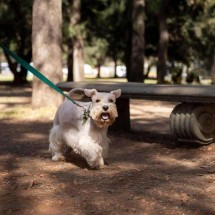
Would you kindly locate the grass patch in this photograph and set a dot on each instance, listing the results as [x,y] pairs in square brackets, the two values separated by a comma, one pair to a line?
[5,78]
[9,77]
[20,112]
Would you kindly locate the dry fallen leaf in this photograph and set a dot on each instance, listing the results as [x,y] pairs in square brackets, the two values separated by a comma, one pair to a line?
[31,184]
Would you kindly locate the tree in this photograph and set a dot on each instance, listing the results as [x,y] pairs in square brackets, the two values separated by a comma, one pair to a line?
[113,30]
[46,39]
[74,40]
[203,32]
[213,70]
[96,52]
[189,33]
[163,42]
[16,16]
[135,50]
[78,53]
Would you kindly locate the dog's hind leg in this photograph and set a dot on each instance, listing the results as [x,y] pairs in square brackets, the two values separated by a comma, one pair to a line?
[56,144]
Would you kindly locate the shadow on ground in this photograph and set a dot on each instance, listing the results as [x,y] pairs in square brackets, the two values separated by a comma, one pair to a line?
[145,174]
[148,172]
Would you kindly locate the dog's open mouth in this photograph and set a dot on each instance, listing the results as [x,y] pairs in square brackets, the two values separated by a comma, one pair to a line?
[105,116]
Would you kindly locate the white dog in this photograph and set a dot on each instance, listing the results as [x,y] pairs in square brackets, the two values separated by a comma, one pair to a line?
[89,137]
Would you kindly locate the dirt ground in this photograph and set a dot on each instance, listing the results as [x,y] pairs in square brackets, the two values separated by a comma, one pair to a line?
[148,172]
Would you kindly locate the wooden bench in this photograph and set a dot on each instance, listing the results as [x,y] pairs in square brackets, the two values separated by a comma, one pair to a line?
[193,120]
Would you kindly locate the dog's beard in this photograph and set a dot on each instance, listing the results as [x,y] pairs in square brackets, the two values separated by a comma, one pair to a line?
[104,118]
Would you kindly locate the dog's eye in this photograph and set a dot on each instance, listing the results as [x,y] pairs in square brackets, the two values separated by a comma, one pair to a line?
[97,100]
[110,100]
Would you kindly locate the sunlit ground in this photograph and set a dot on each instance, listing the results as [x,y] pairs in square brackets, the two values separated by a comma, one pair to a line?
[9,77]
[147,172]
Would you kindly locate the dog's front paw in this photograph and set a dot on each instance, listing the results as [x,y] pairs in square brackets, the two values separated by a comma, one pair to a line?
[58,158]
[97,164]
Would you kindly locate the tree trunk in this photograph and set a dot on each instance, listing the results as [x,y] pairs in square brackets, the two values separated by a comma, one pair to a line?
[99,70]
[77,41]
[135,63]
[23,71]
[13,68]
[78,60]
[115,68]
[70,59]
[46,40]
[213,70]
[23,46]
[19,78]
[163,43]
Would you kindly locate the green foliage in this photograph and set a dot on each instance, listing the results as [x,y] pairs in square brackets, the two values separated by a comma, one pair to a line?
[74,30]
[16,26]
[203,32]
[191,26]
[15,21]
[196,31]
[95,51]
[106,24]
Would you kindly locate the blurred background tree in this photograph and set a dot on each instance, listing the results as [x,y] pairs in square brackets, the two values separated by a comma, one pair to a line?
[47,56]
[106,27]
[175,36]
[15,33]
[73,38]
[135,41]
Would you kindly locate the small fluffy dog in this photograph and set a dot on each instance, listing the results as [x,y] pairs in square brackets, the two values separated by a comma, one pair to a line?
[87,138]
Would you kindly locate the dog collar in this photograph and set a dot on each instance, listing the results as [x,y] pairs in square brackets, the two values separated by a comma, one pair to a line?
[86,114]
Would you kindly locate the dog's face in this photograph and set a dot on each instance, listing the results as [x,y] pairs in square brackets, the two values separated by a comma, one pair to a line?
[103,110]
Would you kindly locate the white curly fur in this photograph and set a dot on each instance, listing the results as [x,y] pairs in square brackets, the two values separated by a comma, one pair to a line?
[87,139]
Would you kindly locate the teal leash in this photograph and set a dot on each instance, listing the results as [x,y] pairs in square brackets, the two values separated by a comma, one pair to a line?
[40,76]
[36,73]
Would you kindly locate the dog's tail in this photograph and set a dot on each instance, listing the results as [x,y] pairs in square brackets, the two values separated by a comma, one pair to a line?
[78,95]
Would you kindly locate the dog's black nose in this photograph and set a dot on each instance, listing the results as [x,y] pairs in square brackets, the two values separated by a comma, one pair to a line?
[105,107]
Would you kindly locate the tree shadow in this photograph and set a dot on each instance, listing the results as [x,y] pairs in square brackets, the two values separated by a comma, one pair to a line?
[144,176]
[148,172]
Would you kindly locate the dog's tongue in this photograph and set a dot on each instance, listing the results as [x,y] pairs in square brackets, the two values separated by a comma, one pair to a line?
[105,116]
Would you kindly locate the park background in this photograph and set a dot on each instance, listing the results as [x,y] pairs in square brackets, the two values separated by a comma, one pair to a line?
[161,41]
[149,172]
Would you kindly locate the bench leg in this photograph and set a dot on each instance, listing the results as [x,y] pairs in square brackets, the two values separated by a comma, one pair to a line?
[122,122]
[192,122]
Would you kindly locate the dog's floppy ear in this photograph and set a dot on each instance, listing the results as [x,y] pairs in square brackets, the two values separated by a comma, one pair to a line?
[90,93]
[116,93]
